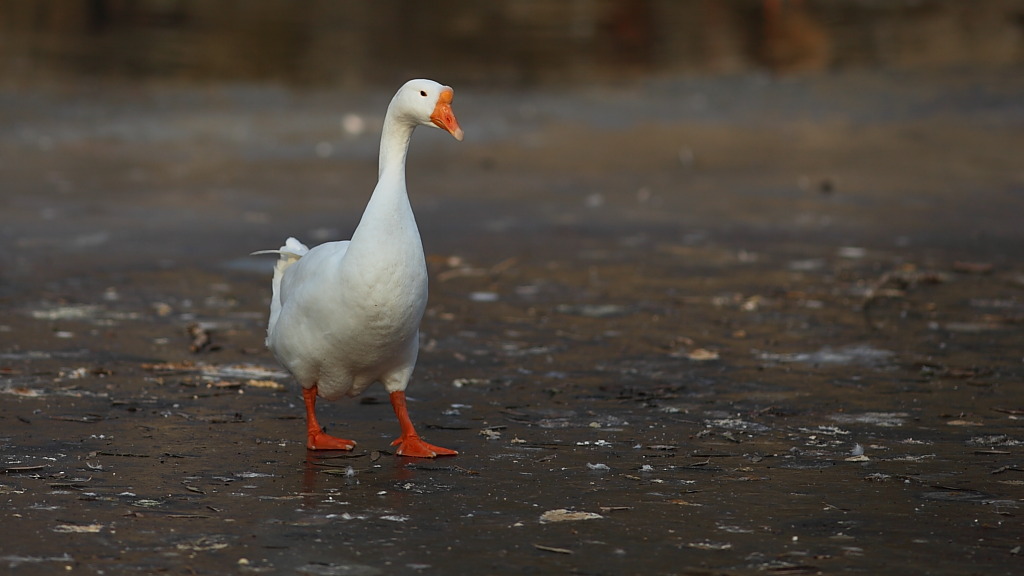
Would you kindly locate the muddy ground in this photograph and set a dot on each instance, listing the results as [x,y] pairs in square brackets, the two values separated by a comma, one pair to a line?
[730,326]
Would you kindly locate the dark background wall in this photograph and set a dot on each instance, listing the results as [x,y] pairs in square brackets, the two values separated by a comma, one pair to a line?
[499,43]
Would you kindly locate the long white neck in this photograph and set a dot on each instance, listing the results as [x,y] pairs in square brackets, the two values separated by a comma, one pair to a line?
[389,214]
[394,146]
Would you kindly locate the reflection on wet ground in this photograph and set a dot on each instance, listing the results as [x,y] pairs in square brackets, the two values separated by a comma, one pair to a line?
[717,326]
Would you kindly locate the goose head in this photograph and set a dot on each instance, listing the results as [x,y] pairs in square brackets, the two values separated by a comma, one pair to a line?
[427,103]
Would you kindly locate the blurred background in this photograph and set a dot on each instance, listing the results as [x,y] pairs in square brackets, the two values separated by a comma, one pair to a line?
[159,129]
[504,43]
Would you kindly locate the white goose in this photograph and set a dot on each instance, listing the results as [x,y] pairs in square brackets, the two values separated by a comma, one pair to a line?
[346,314]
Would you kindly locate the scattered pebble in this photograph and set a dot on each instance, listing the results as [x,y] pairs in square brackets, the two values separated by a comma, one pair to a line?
[702,355]
[708,545]
[484,296]
[565,515]
[460,382]
[852,252]
[78,528]
[490,434]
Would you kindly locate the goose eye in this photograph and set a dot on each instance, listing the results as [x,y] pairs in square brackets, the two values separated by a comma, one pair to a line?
[423,93]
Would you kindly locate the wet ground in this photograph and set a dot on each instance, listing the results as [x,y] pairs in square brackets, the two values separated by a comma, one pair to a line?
[685,326]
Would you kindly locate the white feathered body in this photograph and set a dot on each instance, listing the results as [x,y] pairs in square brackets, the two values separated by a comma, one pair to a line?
[346,314]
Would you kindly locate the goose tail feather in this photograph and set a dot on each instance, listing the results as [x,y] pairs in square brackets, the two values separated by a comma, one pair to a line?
[289,254]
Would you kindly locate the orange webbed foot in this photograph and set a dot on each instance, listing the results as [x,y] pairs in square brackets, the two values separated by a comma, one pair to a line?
[322,441]
[315,437]
[414,446]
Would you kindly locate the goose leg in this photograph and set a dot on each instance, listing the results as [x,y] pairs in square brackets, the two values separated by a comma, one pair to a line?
[316,439]
[410,443]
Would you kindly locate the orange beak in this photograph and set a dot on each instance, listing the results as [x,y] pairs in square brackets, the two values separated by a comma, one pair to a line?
[443,117]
